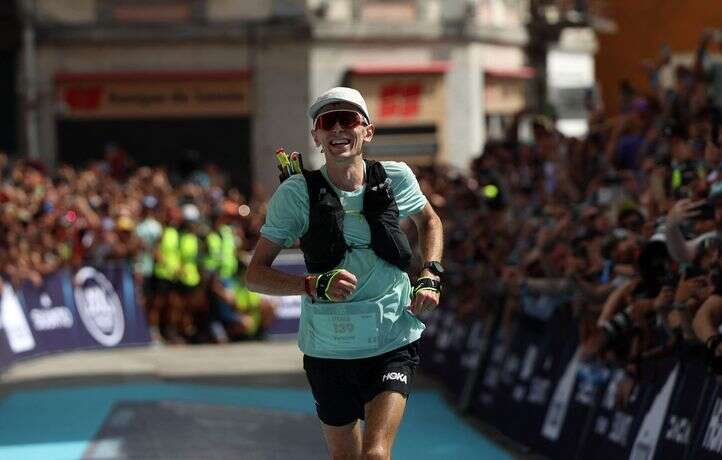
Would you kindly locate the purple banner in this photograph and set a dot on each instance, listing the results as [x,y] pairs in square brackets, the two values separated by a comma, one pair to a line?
[51,313]
[93,308]
[6,356]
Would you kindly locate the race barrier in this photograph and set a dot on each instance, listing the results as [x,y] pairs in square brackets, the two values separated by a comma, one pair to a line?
[93,307]
[527,380]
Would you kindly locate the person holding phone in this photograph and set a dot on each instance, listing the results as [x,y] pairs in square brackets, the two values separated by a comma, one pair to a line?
[359,328]
[706,210]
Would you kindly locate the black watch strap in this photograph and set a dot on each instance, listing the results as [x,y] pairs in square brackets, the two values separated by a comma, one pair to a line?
[434,267]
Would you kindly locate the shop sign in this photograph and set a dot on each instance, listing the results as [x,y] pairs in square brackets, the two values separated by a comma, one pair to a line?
[152,97]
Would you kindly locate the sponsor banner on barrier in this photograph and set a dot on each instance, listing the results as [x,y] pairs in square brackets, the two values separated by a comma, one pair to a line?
[612,437]
[559,406]
[682,421]
[457,346]
[512,391]
[483,406]
[564,407]
[614,428]
[545,363]
[19,337]
[105,302]
[94,307]
[6,356]
[653,422]
[51,312]
[708,441]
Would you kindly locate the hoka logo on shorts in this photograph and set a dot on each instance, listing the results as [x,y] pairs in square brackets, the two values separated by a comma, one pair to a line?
[394,376]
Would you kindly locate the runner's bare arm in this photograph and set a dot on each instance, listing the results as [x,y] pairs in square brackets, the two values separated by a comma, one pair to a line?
[262,278]
[431,235]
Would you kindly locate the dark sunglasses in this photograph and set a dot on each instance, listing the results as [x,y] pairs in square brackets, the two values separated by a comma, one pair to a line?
[347,119]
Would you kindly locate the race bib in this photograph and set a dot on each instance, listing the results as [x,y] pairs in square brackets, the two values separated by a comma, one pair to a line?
[348,332]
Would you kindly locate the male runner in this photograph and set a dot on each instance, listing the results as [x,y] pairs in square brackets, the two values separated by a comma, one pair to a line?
[359,331]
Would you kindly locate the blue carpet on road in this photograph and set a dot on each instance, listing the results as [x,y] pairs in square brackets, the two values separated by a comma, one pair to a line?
[61,423]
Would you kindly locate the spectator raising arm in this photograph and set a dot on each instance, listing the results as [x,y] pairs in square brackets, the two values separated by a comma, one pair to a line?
[708,318]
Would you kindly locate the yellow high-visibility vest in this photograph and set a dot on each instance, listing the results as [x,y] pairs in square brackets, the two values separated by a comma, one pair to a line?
[189,274]
[169,262]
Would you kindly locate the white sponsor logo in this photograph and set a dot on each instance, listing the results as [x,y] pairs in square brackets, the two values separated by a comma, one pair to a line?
[527,366]
[50,318]
[601,425]
[621,424]
[12,318]
[557,411]
[539,390]
[610,396]
[394,376]
[475,345]
[585,393]
[713,436]
[678,430]
[651,428]
[99,307]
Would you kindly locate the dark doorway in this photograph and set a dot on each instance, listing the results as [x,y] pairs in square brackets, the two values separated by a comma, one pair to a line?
[223,141]
[9,46]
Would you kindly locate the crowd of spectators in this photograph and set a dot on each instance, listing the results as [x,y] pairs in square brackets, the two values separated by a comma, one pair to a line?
[110,212]
[621,227]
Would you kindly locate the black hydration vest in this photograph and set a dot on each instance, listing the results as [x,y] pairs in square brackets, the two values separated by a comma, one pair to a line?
[324,245]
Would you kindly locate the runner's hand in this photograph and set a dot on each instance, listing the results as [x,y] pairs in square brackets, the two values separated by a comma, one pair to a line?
[335,285]
[424,300]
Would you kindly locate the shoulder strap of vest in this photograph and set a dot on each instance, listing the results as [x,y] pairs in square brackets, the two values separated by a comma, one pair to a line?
[375,173]
[316,184]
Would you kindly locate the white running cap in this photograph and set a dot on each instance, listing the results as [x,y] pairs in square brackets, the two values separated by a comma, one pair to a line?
[339,94]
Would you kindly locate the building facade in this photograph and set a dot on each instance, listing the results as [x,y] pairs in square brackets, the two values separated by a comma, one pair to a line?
[232,79]
[644,27]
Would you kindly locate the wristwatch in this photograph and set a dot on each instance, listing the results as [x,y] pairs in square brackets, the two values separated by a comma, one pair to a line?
[434,267]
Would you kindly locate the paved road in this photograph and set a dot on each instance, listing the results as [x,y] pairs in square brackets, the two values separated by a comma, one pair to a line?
[244,401]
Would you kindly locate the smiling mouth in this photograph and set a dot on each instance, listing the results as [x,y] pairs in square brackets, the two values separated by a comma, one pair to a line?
[340,143]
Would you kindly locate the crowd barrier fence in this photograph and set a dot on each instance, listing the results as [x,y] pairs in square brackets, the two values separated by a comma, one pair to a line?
[529,383]
[93,307]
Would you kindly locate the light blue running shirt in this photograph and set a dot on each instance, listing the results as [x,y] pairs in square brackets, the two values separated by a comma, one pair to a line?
[375,319]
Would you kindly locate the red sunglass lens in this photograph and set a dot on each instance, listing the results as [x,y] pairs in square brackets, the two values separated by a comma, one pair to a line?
[346,119]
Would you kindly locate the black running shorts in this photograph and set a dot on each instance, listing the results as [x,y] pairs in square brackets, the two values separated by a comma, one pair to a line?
[341,387]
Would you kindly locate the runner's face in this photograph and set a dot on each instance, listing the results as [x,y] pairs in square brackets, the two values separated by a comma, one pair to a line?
[340,143]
